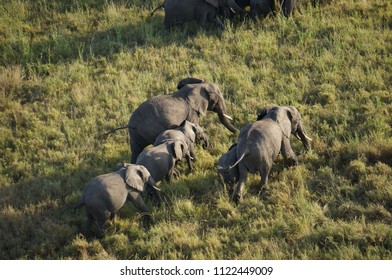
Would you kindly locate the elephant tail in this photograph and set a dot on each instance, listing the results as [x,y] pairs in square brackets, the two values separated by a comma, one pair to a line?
[106,134]
[157,8]
[237,162]
[80,203]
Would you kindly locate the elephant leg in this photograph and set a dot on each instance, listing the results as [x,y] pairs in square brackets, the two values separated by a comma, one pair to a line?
[243,175]
[89,222]
[102,222]
[265,170]
[202,19]
[175,172]
[189,162]
[288,152]
[214,19]
[231,188]
[137,145]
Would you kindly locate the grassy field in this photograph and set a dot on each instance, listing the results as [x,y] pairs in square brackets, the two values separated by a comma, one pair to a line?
[71,70]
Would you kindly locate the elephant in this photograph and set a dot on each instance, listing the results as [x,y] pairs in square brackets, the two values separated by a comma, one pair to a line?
[157,114]
[160,160]
[187,132]
[228,12]
[264,7]
[261,7]
[228,176]
[260,142]
[104,195]
[180,11]
[288,7]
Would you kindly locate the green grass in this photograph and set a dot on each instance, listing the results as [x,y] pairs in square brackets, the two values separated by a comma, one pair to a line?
[70,71]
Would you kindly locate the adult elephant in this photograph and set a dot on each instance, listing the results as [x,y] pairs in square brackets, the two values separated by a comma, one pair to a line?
[259,143]
[157,114]
[180,11]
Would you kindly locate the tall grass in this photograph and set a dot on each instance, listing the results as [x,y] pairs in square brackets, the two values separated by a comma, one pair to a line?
[71,70]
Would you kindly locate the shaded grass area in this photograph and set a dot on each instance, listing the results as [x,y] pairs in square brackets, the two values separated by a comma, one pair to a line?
[71,71]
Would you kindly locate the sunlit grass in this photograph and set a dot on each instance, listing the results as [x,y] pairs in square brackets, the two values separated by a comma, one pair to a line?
[71,70]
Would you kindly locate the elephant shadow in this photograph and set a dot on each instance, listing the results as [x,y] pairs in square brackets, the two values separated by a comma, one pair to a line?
[38,218]
[146,31]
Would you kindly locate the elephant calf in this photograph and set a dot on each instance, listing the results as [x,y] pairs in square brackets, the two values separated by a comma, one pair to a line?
[160,160]
[104,195]
[228,176]
[188,132]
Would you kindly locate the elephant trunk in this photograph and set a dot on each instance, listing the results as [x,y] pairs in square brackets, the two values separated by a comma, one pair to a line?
[206,143]
[300,134]
[232,4]
[155,191]
[225,120]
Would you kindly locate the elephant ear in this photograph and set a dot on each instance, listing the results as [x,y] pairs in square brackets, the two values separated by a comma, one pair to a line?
[135,177]
[265,112]
[191,131]
[233,146]
[198,98]
[189,80]
[178,149]
[294,117]
[214,3]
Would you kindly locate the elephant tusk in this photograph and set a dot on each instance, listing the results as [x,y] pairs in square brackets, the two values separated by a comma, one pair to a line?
[158,189]
[228,117]
[296,136]
[308,138]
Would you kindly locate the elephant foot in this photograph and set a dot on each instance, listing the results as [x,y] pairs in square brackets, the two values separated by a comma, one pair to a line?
[237,199]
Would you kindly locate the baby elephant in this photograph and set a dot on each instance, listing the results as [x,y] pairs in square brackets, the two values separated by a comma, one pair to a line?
[160,160]
[104,195]
[188,132]
[228,176]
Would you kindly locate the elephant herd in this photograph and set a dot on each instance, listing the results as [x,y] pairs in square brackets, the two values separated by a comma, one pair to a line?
[171,124]
[203,11]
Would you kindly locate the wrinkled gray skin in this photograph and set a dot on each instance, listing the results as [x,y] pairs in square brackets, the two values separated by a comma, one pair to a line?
[160,160]
[180,11]
[264,7]
[104,195]
[259,143]
[187,132]
[229,176]
[157,114]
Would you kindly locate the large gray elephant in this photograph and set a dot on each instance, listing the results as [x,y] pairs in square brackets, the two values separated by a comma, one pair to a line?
[180,11]
[264,7]
[104,195]
[188,132]
[259,143]
[157,114]
[160,160]
[229,176]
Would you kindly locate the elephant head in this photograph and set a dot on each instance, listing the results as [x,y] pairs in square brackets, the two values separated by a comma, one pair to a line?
[139,178]
[180,150]
[279,114]
[205,96]
[195,133]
